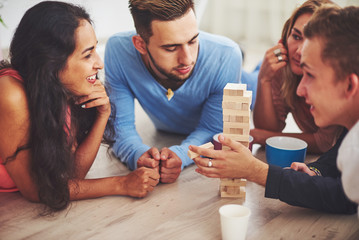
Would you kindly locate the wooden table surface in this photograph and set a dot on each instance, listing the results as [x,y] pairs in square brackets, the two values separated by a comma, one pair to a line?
[186,209]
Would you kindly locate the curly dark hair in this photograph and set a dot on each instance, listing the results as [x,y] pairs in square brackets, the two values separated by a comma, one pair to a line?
[41,45]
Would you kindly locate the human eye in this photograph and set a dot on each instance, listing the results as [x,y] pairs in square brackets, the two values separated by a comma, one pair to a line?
[296,37]
[307,74]
[170,49]
[88,56]
[194,41]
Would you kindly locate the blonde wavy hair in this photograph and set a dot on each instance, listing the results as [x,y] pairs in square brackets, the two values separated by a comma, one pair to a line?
[291,80]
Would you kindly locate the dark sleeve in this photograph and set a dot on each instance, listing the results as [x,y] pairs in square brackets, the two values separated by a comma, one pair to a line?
[300,189]
[327,163]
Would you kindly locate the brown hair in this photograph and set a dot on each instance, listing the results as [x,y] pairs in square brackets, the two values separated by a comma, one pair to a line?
[291,81]
[338,30]
[145,11]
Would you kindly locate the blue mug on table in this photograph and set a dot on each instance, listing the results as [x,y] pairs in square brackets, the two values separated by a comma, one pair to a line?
[283,151]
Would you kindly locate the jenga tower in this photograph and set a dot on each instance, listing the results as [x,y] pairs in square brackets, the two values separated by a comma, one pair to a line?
[236,115]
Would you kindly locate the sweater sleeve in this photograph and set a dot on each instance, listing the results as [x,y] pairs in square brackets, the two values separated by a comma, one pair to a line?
[128,146]
[300,189]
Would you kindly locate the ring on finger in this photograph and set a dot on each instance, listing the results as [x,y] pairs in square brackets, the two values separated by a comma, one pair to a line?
[280,58]
[210,164]
[277,52]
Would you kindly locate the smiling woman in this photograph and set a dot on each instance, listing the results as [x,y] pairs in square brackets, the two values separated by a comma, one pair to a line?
[55,111]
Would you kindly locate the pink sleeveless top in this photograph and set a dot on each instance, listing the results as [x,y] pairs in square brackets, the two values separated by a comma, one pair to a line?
[6,183]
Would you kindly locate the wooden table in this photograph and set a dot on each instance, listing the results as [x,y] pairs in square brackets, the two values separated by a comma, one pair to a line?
[186,209]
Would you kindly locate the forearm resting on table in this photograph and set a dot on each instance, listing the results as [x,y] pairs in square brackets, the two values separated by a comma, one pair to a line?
[87,150]
[94,188]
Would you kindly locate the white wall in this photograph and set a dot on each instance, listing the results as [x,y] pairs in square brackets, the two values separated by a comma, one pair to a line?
[109,16]
[254,24]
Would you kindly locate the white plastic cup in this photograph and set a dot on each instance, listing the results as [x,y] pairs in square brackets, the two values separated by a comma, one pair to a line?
[234,221]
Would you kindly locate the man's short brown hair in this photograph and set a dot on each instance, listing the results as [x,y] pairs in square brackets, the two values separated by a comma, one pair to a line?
[338,30]
[145,11]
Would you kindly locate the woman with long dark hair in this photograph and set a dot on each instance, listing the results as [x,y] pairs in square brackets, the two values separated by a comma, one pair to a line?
[278,80]
[54,111]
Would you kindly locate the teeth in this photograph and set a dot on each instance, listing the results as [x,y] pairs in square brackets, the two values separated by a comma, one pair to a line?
[93,77]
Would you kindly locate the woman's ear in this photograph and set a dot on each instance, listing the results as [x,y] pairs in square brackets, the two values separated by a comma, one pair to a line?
[139,44]
[353,85]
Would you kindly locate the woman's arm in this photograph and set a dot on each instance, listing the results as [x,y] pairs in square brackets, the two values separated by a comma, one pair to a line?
[264,114]
[14,129]
[86,152]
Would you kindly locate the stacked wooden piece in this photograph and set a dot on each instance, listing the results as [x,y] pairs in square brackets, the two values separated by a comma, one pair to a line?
[236,115]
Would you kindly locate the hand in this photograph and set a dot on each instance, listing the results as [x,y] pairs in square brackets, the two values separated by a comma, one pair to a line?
[140,182]
[271,64]
[260,135]
[302,167]
[97,98]
[150,159]
[237,162]
[170,168]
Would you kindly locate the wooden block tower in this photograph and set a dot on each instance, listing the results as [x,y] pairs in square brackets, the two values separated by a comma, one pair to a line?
[236,114]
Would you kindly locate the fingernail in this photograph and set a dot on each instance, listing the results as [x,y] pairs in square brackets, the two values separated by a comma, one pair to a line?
[190,147]
[83,106]
[221,137]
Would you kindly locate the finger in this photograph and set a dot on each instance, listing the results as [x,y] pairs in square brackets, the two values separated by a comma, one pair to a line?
[201,162]
[294,166]
[153,182]
[207,174]
[149,188]
[168,178]
[209,153]
[154,153]
[154,175]
[149,162]
[170,170]
[172,163]
[226,141]
[96,102]
[165,152]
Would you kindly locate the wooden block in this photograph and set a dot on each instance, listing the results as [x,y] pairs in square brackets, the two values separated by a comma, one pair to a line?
[234,89]
[242,99]
[235,86]
[235,105]
[239,182]
[232,105]
[236,112]
[236,137]
[233,92]
[235,118]
[193,155]
[242,125]
[241,194]
[238,131]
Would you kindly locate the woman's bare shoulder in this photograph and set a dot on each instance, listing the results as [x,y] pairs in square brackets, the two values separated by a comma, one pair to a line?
[12,95]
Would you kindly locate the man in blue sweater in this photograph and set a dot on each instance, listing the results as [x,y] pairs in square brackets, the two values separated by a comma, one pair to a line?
[177,73]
